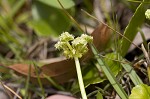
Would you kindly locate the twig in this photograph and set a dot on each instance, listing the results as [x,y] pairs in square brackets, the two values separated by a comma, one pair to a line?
[6,87]
[147,60]
[146,54]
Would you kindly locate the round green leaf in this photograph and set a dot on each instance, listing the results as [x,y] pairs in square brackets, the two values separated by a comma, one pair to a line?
[140,92]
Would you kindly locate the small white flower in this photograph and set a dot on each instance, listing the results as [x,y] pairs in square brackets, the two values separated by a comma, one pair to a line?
[76,48]
[147,14]
[65,36]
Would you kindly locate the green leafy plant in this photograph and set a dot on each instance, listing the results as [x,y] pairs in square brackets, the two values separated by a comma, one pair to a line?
[49,19]
[110,76]
[75,48]
[132,28]
[141,91]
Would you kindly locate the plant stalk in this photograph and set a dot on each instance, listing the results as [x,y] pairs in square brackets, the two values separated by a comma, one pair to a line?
[80,79]
[148,71]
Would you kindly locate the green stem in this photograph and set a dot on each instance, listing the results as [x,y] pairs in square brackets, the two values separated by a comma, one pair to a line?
[39,80]
[27,83]
[80,79]
[70,47]
[148,71]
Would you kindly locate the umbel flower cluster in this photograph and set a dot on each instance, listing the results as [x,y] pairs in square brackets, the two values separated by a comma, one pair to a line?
[147,14]
[73,47]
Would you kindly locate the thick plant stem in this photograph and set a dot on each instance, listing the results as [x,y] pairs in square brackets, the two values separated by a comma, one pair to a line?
[80,79]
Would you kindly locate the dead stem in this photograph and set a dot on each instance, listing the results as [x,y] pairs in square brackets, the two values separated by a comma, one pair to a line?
[7,88]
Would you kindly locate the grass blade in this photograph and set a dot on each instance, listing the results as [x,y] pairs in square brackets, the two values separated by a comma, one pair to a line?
[110,75]
[27,83]
[39,80]
[55,84]
[132,74]
[17,7]
[132,28]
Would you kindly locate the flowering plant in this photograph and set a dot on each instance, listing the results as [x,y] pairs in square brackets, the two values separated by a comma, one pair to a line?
[75,48]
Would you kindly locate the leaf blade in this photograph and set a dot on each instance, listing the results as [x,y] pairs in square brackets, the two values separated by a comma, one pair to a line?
[131,30]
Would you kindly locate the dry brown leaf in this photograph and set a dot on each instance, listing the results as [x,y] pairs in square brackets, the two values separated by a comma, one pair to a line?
[101,36]
[23,70]
[58,67]
[63,70]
